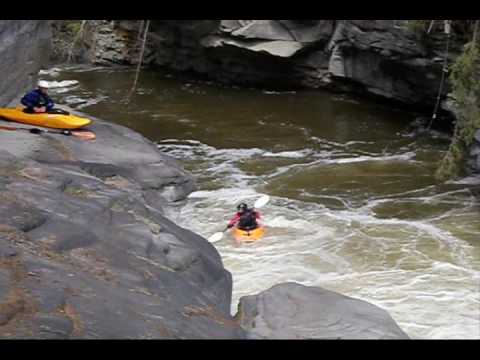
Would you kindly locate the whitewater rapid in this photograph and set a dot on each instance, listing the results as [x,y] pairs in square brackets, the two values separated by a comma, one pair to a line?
[354,207]
[423,275]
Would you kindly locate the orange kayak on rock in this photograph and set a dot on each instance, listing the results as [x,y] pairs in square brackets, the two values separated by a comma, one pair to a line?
[249,235]
[54,121]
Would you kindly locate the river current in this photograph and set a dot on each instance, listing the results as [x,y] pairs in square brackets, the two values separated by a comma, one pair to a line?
[354,205]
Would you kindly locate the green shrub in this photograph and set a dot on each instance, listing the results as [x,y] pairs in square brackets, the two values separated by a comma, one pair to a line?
[73,27]
[465,80]
[417,26]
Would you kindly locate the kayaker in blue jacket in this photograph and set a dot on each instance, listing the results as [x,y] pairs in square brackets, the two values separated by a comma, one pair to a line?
[38,101]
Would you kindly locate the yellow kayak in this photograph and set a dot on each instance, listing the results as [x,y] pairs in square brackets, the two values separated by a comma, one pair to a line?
[249,235]
[55,121]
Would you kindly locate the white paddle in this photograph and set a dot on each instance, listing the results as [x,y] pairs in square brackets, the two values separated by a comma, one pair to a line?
[261,202]
[258,204]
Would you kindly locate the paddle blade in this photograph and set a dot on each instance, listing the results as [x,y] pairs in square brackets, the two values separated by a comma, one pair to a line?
[216,237]
[261,202]
[8,128]
[84,134]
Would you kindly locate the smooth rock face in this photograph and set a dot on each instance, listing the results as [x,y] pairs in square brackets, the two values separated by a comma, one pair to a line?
[477,136]
[24,50]
[114,42]
[382,58]
[83,254]
[294,311]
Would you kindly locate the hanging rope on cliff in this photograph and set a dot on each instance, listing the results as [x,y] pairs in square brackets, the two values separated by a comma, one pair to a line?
[444,72]
[77,37]
[140,28]
[140,60]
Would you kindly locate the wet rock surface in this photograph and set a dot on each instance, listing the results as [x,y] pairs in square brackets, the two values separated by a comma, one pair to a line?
[85,248]
[473,161]
[24,49]
[382,58]
[294,311]
[83,255]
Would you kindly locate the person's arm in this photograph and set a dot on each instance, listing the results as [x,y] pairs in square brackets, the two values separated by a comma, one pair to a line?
[257,215]
[50,103]
[233,221]
[30,100]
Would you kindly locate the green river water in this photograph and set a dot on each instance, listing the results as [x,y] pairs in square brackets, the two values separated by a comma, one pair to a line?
[354,208]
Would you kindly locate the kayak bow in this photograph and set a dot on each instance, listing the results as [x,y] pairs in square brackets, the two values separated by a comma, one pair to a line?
[249,235]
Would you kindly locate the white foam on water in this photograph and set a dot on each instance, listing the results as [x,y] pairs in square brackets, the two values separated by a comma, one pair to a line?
[80,102]
[62,90]
[312,245]
[289,154]
[62,84]
[195,142]
[469,180]
[271,92]
[322,158]
[348,143]
[54,72]
[80,68]
[201,150]
[424,309]
[227,195]
[423,275]
[401,157]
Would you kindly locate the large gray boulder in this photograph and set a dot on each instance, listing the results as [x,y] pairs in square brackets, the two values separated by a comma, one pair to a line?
[24,49]
[294,311]
[85,250]
[386,61]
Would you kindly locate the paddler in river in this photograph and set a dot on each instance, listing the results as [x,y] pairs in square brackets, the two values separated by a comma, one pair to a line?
[245,218]
[37,101]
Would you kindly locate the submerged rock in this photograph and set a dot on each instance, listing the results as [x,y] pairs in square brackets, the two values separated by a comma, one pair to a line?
[294,311]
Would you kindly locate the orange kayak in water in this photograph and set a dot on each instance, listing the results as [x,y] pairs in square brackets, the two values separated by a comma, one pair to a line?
[249,235]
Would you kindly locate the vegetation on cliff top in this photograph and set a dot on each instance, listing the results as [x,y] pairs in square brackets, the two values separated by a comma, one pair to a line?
[465,80]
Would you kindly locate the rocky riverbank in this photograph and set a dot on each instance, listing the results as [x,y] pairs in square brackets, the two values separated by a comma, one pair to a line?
[85,248]
[384,59]
[86,252]
[25,47]
[381,58]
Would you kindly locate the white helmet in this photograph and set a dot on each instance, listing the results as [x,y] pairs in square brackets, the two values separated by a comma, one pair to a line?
[43,84]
